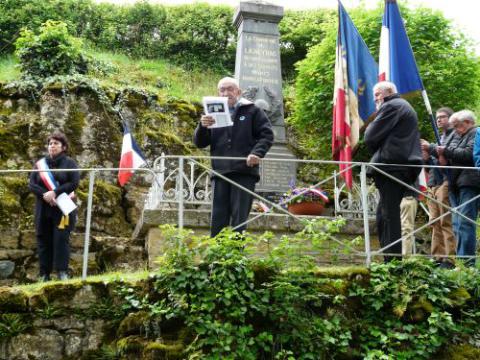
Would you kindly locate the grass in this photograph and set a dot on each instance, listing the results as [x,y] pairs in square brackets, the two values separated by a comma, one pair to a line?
[157,76]
[105,277]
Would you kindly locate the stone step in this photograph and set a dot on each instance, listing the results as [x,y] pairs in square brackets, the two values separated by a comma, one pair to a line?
[200,219]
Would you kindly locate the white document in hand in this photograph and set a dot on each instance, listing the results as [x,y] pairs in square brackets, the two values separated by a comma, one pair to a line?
[65,203]
[217,107]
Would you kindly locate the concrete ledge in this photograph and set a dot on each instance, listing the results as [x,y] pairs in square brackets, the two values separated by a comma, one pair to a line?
[268,222]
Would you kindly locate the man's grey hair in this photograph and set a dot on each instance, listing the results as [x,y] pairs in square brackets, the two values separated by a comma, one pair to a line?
[466,115]
[230,80]
[386,86]
[453,118]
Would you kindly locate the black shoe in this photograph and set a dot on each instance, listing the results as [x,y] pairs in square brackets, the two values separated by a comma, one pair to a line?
[447,265]
[44,278]
[62,275]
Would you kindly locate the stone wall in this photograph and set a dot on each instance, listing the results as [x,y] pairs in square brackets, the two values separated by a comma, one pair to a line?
[90,118]
[75,320]
[114,318]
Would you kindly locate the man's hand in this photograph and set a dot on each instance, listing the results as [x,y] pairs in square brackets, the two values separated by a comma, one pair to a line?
[49,197]
[207,120]
[253,160]
[442,160]
[424,144]
[440,150]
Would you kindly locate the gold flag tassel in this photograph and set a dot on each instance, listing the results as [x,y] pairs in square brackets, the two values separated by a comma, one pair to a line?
[64,222]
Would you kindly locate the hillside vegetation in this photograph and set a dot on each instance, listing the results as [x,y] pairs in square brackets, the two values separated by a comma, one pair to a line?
[161,48]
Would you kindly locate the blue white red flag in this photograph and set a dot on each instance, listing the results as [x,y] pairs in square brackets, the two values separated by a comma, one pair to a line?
[397,62]
[131,158]
[353,103]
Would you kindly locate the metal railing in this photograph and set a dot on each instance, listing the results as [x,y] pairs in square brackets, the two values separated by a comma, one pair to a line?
[182,181]
[360,203]
[91,176]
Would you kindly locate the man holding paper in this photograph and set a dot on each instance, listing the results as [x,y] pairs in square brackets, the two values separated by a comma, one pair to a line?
[245,133]
[54,209]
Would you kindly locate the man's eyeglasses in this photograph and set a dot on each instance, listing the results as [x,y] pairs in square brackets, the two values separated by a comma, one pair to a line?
[442,117]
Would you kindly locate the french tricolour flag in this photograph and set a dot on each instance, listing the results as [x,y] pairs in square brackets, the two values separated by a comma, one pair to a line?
[397,62]
[131,158]
[355,74]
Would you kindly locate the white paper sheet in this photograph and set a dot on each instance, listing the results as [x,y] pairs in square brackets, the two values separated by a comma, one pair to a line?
[65,203]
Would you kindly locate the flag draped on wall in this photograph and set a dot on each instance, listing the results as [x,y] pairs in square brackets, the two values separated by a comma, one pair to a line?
[131,157]
[397,62]
[355,75]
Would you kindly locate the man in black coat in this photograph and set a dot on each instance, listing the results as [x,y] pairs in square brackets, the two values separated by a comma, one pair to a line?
[250,137]
[393,138]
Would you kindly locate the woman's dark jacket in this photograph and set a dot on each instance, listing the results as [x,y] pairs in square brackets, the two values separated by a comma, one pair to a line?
[251,133]
[67,182]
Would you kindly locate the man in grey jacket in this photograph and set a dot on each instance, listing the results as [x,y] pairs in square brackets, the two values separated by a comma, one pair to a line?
[465,183]
[393,138]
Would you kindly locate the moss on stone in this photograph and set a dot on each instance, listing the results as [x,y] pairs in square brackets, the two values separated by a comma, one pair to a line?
[13,191]
[108,214]
[75,124]
[133,324]
[157,351]
[13,300]
[131,345]
[55,293]
[347,272]
[460,352]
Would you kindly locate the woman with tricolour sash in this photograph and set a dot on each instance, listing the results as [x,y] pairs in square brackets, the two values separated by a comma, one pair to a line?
[55,213]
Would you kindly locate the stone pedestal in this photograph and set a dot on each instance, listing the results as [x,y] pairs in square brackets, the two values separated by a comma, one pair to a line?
[258,70]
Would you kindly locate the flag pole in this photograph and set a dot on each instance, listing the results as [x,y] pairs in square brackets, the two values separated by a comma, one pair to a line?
[430,113]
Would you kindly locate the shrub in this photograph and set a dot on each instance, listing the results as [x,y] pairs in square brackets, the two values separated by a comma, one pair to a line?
[53,51]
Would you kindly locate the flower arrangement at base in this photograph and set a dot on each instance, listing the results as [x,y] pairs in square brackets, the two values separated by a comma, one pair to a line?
[305,200]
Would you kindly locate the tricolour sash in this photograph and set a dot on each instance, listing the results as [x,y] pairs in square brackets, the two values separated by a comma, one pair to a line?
[51,184]
[46,175]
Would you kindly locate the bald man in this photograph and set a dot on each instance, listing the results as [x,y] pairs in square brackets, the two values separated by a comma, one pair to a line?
[250,137]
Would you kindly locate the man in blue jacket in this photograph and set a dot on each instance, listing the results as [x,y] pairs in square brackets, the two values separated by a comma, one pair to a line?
[393,138]
[250,137]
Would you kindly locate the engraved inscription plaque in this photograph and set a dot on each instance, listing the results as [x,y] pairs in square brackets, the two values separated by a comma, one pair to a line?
[258,70]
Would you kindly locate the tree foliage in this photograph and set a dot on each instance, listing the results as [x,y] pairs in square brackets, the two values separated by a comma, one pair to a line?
[440,52]
[198,35]
[300,30]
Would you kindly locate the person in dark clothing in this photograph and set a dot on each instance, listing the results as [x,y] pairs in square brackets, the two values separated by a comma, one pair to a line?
[393,138]
[251,137]
[52,226]
[465,183]
[443,241]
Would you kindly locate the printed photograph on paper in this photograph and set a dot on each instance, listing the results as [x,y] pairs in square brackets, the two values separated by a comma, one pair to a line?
[217,107]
